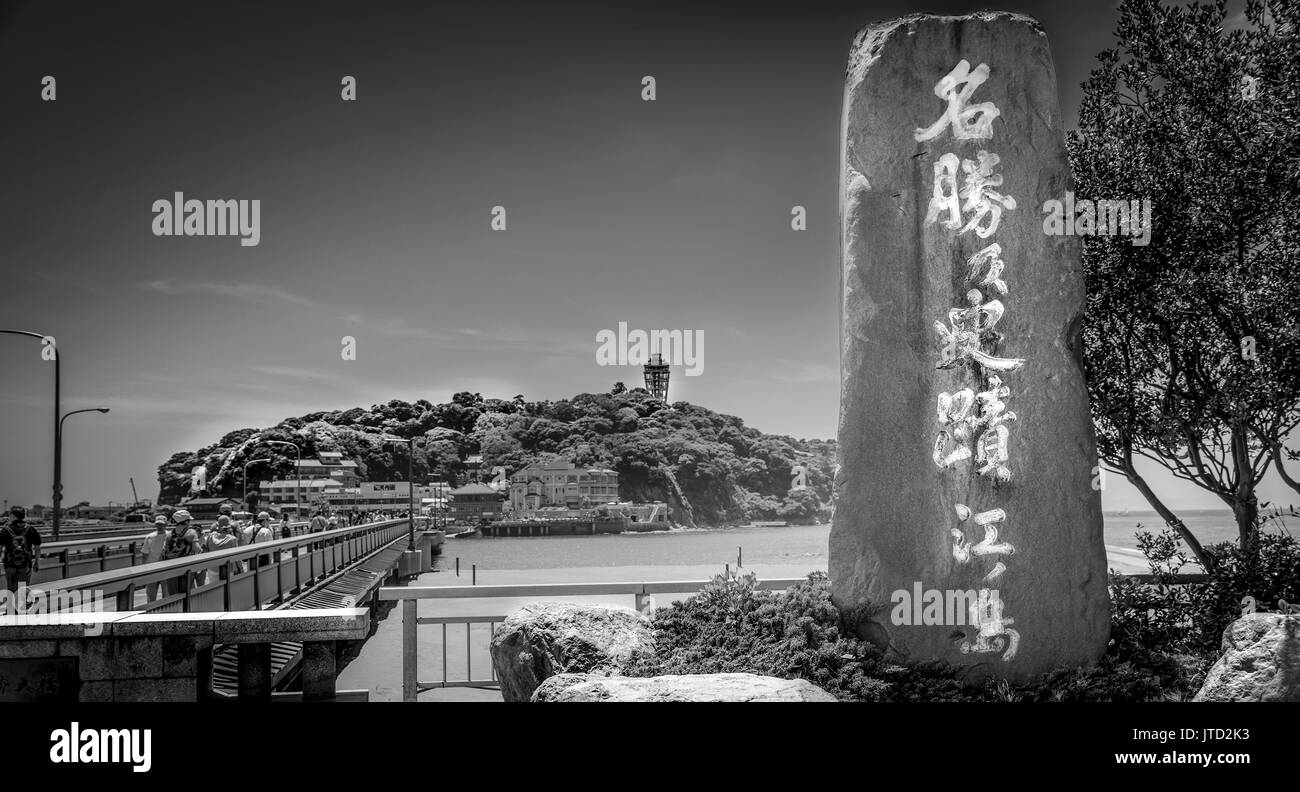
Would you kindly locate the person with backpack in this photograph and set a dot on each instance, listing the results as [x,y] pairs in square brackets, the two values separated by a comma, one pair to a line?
[20,546]
[183,541]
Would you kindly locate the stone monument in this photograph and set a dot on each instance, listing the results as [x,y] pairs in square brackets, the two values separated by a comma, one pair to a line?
[966,524]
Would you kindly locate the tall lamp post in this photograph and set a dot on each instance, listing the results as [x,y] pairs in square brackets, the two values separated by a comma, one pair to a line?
[297,472]
[410,486]
[246,464]
[58,456]
[57,486]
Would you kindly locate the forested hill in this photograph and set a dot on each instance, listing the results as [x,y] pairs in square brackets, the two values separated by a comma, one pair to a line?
[727,472]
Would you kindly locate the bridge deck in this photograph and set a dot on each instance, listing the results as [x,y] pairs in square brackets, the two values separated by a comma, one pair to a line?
[344,590]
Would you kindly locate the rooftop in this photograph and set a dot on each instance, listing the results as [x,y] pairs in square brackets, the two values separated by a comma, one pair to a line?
[474,488]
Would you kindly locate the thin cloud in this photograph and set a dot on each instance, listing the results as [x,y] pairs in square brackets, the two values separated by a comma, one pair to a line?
[250,292]
[289,372]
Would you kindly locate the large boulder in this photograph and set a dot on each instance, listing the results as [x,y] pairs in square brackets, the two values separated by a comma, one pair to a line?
[543,639]
[1260,662]
[966,525]
[686,687]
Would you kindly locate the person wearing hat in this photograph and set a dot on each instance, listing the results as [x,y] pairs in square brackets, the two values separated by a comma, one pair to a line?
[264,533]
[222,537]
[184,541]
[152,551]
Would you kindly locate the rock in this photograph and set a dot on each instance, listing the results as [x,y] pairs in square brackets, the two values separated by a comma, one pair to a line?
[912,516]
[541,640]
[686,687]
[1260,662]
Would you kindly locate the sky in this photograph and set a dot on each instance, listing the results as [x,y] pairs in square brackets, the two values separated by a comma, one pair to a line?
[376,214]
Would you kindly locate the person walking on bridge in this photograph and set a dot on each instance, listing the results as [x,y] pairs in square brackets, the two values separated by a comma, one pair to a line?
[20,546]
[318,524]
[184,539]
[264,533]
[151,551]
[221,538]
[183,542]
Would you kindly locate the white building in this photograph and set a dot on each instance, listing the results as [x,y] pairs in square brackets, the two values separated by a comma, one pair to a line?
[561,483]
[366,496]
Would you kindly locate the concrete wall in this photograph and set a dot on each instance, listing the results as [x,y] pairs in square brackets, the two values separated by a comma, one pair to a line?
[157,656]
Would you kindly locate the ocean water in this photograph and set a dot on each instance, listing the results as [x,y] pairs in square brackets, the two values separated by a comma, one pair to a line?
[782,552]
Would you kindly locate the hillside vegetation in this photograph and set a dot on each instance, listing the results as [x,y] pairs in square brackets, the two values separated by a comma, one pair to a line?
[725,472]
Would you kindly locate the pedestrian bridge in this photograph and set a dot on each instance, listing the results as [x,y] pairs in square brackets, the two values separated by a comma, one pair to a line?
[287,582]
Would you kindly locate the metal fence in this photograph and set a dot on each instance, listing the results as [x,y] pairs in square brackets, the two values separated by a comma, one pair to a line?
[409,597]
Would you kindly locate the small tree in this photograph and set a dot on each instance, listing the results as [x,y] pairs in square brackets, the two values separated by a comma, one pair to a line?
[1191,342]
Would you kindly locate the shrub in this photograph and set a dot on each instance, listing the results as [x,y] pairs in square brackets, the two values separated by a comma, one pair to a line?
[731,626]
[1190,618]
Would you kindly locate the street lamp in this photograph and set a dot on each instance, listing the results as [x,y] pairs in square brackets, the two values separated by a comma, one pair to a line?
[246,464]
[410,486]
[297,472]
[57,494]
[59,454]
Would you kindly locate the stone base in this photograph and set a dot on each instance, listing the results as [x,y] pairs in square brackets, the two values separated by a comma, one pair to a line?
[685,687]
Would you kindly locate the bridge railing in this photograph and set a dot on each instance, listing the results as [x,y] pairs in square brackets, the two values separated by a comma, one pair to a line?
[410,596]
[240,578]
[75,557]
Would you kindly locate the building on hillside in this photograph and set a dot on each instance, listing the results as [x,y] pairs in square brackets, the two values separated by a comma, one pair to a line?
[366,496]
[312,479]
[561,483]
[473,502]
[382,496]
[296,497]
[328,466]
